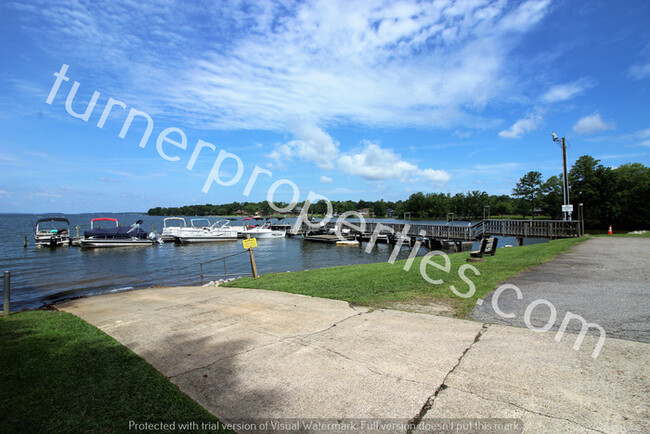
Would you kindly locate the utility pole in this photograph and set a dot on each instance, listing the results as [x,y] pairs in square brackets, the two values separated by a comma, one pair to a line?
[566,207]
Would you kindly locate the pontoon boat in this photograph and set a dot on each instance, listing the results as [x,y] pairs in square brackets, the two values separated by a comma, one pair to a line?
[170,231]
[117,236]
[52,232]
[201,231]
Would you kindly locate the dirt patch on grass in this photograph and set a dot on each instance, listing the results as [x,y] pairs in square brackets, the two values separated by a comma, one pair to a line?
[431,307]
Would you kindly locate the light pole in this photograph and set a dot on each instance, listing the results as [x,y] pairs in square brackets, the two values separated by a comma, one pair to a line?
[566,208]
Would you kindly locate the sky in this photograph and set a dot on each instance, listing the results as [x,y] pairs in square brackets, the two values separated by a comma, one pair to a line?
[170,103]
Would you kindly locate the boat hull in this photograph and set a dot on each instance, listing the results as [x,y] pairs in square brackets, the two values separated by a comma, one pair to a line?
[99,243]
[203,239]
[51,241]
[263,234]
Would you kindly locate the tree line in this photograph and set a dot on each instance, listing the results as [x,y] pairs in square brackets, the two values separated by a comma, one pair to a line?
[610,196]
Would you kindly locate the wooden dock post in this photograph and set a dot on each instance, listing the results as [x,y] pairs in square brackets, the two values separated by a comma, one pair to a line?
[25,241]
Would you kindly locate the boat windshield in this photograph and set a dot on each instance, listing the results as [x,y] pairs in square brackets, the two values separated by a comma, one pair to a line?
[52,225]
[200,223]
[220,224]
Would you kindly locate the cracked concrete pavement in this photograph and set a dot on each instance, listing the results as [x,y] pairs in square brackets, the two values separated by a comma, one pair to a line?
[253,354]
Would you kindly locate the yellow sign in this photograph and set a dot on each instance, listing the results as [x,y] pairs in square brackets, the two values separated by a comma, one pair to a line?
[250,243]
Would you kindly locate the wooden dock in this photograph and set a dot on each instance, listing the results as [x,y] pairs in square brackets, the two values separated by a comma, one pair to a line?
[520,229]
[320,238]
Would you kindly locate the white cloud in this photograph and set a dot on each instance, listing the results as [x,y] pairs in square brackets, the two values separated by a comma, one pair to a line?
[376,163]
[592,124]
[437,176]
[311,144]
[281,155]
[269,65]
[109,180]
[497,167]
[566,91]
[643,134]
[639,71]
[521,127]
[315,145]
[326,180]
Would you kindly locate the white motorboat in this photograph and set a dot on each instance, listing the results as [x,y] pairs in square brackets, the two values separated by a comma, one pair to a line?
[116,236]
[201,231]
[52,232]
[171,228]
[262,230]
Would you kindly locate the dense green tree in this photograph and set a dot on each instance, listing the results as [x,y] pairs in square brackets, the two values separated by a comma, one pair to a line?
[529,189]
[593,185]
[632,193]
[379,208]
[552,197]
[610,196]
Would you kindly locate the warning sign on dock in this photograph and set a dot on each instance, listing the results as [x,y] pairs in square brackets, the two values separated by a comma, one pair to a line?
[250,243]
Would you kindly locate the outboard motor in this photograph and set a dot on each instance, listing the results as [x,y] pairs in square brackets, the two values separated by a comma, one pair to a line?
[155,238]
[134,226]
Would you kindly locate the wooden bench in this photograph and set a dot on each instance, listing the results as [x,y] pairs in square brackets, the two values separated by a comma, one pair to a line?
[488,247]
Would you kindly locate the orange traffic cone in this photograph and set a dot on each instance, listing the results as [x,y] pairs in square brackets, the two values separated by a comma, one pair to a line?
[609,232]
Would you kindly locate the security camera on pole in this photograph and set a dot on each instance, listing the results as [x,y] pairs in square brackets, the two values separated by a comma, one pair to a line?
[567,208]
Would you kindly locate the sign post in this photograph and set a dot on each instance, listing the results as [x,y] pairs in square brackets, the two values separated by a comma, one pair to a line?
[249,243]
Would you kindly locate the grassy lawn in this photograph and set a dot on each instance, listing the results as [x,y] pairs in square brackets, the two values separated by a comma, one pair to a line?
[61,374]
[380,285]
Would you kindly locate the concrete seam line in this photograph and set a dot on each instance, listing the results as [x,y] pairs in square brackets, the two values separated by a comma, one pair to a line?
[222,359]
[325,329]
[367,365]
[265,345]
[529,410]
[431,400]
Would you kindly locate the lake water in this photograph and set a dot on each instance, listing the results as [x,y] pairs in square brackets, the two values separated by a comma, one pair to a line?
[42,275]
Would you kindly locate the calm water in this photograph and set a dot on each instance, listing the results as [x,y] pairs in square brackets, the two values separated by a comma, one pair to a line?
[41,276]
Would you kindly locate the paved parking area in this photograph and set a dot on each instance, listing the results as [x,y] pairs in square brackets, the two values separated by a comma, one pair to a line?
[251,354]
[604,280]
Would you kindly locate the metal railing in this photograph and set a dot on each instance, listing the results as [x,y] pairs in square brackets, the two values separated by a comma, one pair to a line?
[6,292]
[225,270]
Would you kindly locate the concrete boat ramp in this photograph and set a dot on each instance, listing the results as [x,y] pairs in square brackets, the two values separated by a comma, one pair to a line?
[259,355]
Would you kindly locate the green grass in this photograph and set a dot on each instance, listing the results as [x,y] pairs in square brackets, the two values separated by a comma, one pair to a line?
[382,284]
[61,374]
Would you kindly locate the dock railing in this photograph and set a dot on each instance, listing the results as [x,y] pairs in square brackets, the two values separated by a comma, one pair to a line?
[225,270]
[461,231]
[6,292]
[533,228]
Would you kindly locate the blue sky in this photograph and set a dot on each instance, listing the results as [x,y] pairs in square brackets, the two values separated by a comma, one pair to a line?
[351,100]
